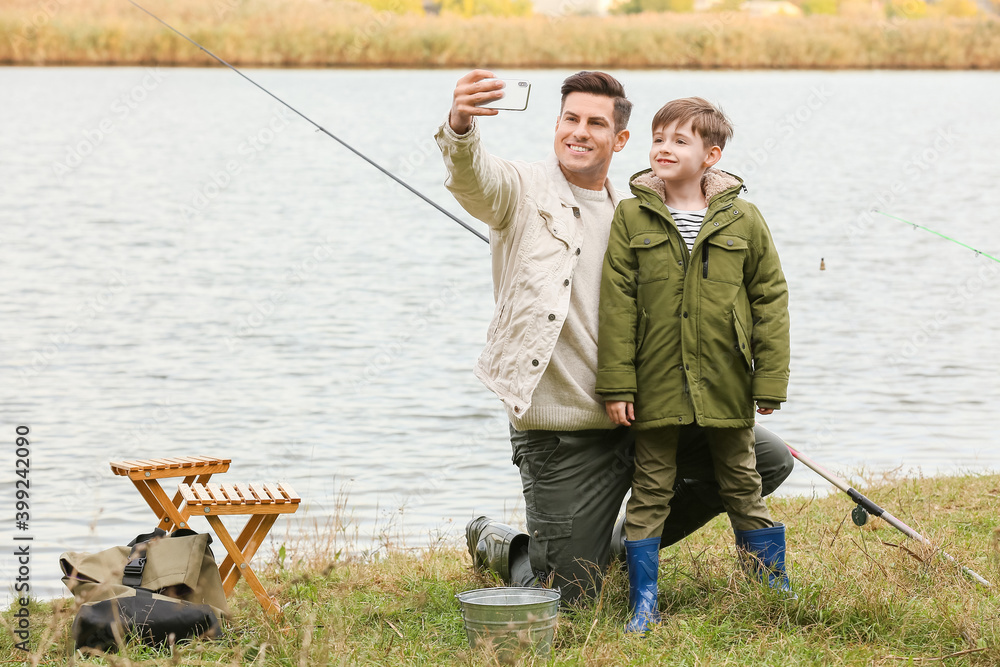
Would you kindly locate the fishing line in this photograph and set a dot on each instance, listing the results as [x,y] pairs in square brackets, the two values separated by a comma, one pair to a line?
[947,238]
[317,126]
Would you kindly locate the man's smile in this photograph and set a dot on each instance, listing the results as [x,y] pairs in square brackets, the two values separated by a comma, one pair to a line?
[577,148]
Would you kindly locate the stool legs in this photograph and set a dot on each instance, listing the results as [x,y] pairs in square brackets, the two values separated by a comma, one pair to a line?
[237,563]
[169,513]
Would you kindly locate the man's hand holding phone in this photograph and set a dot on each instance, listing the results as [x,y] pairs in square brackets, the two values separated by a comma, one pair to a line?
[478,93]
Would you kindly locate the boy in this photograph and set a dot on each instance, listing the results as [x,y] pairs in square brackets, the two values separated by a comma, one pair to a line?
[693,330]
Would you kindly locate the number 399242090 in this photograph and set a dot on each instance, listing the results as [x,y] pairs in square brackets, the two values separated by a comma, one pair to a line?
[22,469]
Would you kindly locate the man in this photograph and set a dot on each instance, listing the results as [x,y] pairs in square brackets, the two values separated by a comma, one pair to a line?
[549,224]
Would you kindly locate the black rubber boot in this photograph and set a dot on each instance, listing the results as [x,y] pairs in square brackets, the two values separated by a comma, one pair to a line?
[498,548]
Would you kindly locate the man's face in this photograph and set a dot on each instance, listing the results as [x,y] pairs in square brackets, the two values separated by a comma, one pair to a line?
[679,155]
[586,139]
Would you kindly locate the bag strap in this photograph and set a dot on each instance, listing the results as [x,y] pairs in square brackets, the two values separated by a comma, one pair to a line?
[146,537]
[132,576]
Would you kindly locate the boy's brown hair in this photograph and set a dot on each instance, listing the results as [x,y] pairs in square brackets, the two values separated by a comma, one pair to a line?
[603,84]
[707,120]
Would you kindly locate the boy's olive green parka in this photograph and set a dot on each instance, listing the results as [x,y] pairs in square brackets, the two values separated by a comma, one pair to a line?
[692,337]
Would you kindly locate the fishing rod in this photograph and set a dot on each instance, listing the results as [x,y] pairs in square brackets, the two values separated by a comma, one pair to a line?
[865,507]
[947,238]
[318,126]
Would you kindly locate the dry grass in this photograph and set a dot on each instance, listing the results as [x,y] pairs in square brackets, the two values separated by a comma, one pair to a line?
[333,33]
[867,596]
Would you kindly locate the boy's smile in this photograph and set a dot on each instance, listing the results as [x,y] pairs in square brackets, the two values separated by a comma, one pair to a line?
[679,155]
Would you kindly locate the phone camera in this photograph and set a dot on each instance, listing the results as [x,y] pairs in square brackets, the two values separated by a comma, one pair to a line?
[522,84]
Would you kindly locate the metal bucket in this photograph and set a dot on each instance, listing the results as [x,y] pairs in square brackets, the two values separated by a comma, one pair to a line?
[510,620]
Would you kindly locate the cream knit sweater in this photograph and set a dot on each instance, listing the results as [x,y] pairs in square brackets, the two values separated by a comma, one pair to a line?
[564,399]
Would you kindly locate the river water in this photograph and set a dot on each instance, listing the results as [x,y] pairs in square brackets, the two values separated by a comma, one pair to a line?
[188,268]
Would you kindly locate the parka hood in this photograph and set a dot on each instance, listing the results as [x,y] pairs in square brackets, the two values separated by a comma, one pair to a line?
[715,182]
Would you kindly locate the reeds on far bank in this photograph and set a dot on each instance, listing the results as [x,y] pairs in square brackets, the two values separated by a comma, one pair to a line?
[337,33]
[867,596]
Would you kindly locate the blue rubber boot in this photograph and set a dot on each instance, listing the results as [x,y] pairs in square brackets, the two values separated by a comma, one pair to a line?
[643,558]
[763,554]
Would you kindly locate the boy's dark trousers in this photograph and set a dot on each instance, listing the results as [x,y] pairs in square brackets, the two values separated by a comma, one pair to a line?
[574,483]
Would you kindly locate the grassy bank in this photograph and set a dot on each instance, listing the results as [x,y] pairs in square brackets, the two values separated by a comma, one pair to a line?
[866,596]
[322,33]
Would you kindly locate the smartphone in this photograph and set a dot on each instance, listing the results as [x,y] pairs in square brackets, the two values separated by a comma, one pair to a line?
[515,96]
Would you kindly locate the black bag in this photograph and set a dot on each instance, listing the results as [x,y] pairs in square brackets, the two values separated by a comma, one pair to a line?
[158,589]
[151,619]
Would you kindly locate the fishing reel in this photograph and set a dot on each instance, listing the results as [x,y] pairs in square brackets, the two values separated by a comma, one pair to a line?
[859,515]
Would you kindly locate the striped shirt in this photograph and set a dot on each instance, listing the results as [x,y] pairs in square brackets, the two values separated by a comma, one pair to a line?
[688,223]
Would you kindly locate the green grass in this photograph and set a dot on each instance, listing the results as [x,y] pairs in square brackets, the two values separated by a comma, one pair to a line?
[867,596]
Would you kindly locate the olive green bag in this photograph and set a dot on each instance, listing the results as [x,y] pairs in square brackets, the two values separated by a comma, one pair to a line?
[159,588]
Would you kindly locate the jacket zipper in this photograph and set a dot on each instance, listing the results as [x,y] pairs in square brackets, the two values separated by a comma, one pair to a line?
[704,260]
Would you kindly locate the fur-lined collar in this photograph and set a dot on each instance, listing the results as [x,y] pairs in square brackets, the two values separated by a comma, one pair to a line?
[713,183]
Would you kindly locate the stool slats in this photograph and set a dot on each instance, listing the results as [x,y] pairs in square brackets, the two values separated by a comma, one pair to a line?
[232,493]
[262,502]
[261,494]
[217,493]
[275,494]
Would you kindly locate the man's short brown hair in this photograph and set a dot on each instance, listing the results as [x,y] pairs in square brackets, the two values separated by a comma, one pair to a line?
[603,84]
[707,120]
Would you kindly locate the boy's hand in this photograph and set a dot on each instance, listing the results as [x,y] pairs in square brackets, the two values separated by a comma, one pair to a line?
[765,411]
[621,412]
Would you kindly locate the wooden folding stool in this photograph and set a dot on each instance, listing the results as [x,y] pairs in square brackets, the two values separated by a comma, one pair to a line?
[263,502]
[145,475]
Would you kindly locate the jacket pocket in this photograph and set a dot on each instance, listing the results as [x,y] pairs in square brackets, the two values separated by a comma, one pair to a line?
[723,259]
[742,342]
[640,328]
[540,245]
[652,250]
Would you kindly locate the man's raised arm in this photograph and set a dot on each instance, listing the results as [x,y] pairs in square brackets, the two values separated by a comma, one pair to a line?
[487,187]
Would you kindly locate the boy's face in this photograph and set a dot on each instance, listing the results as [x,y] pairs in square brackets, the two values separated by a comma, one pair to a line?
[679,155]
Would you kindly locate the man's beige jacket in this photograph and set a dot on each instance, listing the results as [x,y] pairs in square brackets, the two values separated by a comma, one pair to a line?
[536,235]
